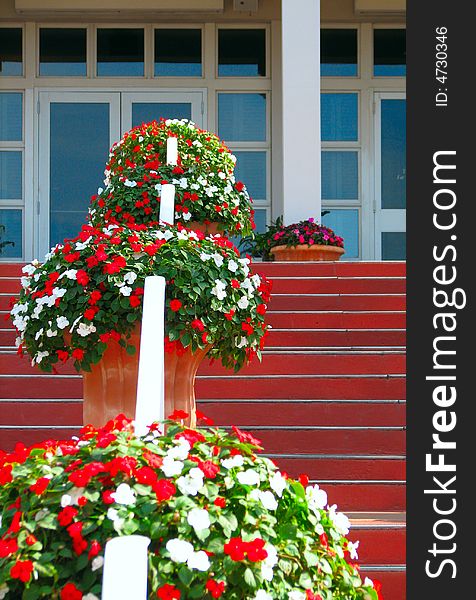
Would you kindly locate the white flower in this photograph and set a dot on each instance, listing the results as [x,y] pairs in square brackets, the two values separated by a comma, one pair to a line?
[124,494]
[181,449]
[113,515]
[40,356]
[183,183]
[187,216]
[242,342]
[82,245]
[84,330]
[125,290]
[51,333]
[97,563]
[199,519]
[191,483]
[248,477]
[262,595]
[218,259]
[130,277]
[368,582]
[158,188]
[295,595]
[20,323]
[256,279]
[316,497]
[25,281]
[352,548]
[269,562]
[71,497]
[180,550]
[204,256]
[198,560]
[62,322]
[243,302]
[234,461]
[4,589]
[128,183]
[219,289]
[232,266]
[267,499]
[69,274]
[171,467]
[29,269]
[277,483]
[90,597]
[340,521]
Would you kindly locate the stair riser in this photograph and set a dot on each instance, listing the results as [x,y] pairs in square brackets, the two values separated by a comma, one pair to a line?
[393,582]
[279,388]
[338,286]
[272,364]
[239,413]
[380,546]
[331,269]
[321,469]
[300,320]
[367,497]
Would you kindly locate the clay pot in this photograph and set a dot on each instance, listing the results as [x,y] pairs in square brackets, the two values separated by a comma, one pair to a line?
[206,228]
[307,253]
[111,386]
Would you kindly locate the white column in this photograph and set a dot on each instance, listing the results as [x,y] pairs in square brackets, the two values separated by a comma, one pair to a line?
[301,110]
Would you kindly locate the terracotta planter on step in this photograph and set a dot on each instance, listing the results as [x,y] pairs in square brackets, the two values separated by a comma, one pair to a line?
[111,386]
[206,228]
[307,253]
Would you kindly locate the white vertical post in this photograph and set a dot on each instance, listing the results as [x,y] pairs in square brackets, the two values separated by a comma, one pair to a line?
[172,150]
[301,110]
[125,568]
[167,203]
[150,403]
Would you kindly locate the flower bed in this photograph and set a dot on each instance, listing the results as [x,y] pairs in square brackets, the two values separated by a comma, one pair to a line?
[90,289]
[223,520]
[206,188]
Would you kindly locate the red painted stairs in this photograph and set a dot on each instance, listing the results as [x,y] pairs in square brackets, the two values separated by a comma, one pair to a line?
[327,400]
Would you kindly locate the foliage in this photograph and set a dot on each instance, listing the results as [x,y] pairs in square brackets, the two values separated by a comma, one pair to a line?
[222,520]
[205,186]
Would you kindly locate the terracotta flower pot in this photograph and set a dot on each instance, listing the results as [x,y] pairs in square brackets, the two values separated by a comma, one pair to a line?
[207,228]
[111,386]
[307,253]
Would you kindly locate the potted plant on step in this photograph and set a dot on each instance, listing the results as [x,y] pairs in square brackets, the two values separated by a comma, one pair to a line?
[303,241]
[223,521]
[85,303]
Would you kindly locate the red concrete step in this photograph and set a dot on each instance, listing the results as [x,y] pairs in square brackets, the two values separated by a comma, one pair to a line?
[278,387]
[372,496]
[336,320]
[393,581]
[320,468]
[380,544]
[5,301]
[10,285]
[330,269]
[11,269]
[328,413]
[338,302]
[303,337]
[9,437]
[273,363]
[338,285]
[241,413]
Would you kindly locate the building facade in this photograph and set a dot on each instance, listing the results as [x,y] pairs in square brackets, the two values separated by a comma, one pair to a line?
[310,97]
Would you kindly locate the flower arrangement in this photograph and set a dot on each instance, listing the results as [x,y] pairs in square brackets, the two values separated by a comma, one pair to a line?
[223,521]
[206,188]
[89,292]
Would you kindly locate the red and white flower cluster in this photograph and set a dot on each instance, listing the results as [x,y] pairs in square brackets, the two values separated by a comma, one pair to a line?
[223,521]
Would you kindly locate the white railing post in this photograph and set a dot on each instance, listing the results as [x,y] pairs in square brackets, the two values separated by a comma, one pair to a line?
[125,568]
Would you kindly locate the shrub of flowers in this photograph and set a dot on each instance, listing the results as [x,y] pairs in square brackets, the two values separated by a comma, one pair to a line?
[206,188]
[223,521]
[89,292]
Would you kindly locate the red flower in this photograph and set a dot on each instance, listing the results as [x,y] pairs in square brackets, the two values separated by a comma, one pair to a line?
[256,551]
[90,313]
[168,592]
[304,480]
[40,486]
[235,548]
[220,502]
[216,588]
[82,277]
[204,418]
[15,524]
[209,468]
[71,592]
[239,186]
[135,301]
[178,415]
[175,305]
[154,460]
[324,540]
[107,497]
[66,516]
[235,284]
[198,324]
[229,315]
[378,588]
[95,549]
[191,436]
[261,309]
[311,596]
[79,545]
[94,297]
[145,475]
[8,547]
[30,540]
[164,489]
[82,501]
[78,354]
[105,439]
[121,464]
[62,355]
[22,570]
[246,438]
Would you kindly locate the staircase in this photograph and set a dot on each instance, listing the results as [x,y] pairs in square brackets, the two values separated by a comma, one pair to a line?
[327,400]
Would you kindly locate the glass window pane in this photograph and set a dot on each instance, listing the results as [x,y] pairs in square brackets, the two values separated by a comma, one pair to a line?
[339,52]
[393,153]
[340,175]
[345,223]
[178,52]
[63,52]
[145,112]
[260,220]
[242,52]
[120,52]
[251,170]
[242,117]
[11,51]
[11,239]
[79,143]
[394,245]
[339,122]
[390,55]
[11,116]
[11,175]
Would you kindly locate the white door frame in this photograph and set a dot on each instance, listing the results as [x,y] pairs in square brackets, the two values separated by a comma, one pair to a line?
[385,219]
[120,118]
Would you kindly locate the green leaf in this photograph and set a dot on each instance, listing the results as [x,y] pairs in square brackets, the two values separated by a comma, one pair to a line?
[185,576]
[249,578]
[305,580]
[131,350]
[311,558]
[197,591]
